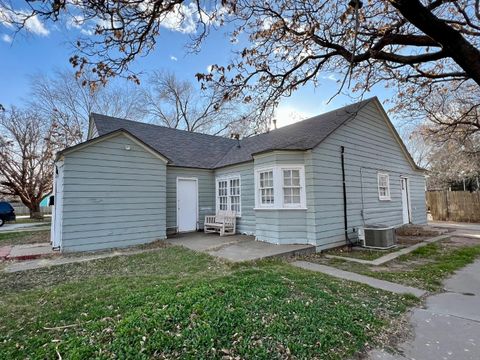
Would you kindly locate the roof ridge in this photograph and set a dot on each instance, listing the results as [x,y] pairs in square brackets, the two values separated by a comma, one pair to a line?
[363,102]
[160,126]
[359,105]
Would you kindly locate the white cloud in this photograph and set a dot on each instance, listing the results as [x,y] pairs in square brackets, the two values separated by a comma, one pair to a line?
[32,24]
[209,68]
[173,58]
[7,38]
[183,19]
[35,26]
[330,77]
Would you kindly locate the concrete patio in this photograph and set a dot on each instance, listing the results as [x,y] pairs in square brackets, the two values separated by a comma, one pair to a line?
[237,248]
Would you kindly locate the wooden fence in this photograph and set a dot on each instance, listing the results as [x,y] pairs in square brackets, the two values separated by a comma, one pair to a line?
[21,209]
[461,206]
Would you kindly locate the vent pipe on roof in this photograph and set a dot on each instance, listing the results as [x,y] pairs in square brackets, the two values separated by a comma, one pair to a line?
[275,124]
[237,137]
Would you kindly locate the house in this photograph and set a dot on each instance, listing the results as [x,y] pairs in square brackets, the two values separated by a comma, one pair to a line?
[315,182]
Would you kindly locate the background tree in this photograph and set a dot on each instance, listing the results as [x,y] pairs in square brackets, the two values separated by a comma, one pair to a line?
[66,100]
[453,162]
[27,147]
[413,45]
[179,104]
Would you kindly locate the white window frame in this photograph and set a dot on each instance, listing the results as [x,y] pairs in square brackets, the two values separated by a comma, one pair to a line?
[387,196]
[258,197]
[278,188]
[229,196]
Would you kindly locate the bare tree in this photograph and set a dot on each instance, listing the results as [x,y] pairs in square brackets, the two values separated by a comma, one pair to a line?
[27,147]
[180,104]
[418,143]
[447,111]
[62,98]
[452,162]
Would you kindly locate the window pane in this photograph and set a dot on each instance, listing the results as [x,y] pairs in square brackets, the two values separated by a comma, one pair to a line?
[287,178]
[296,177]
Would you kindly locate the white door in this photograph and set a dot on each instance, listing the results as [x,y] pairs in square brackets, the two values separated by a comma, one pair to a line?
[405,201]
[187,195]
[57,213]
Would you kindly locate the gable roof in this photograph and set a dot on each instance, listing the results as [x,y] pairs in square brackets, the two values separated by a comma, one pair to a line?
[187,149]
[183,148]
[110,135]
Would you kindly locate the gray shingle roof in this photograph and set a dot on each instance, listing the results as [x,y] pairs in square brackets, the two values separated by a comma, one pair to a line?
[189,149]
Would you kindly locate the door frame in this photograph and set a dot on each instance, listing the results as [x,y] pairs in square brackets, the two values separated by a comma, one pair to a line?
[409,202]
[176,198]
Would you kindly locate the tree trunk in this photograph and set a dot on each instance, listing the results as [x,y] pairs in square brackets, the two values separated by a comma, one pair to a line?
[35,212]
[458,48]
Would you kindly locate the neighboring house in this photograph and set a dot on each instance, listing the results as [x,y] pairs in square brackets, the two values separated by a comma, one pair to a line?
[132,182]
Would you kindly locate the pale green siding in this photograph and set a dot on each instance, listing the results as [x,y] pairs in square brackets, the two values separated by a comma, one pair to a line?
[206,193]
[245,223]
[113,197]
[370,147]
[281,226]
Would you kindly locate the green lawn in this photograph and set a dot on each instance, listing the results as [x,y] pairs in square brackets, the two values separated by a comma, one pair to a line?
[173,303]
[24,237]
[425,267]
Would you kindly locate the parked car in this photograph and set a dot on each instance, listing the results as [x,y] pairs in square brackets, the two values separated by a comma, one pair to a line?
[7,212]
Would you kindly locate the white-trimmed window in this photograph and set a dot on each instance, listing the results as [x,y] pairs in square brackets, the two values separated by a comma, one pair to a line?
[291,187]
[229,195]
[222,195]
[383,186]
[280,187]
[267,197]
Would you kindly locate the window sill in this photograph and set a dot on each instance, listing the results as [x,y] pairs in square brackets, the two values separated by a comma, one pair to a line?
[283,208]
[385,199]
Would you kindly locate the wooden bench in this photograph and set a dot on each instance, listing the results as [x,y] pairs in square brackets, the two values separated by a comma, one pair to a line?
[224,222]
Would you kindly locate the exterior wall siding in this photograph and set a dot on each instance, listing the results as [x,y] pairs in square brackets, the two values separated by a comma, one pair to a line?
[246,223]
[284,226]
[112,197]
[206,194]
[370,147]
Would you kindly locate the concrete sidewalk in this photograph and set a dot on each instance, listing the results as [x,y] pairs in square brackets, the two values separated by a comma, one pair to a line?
[26,251]
[9,228]
[237,248]
[367,280]
[17,266]
[448,328]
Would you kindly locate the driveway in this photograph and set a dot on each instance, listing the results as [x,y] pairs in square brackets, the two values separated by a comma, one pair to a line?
[448,327]
[461,229]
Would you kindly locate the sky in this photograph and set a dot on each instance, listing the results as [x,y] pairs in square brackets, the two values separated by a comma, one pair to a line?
[46,47]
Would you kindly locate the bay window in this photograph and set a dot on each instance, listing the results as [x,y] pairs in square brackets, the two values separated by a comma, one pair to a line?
[280,187]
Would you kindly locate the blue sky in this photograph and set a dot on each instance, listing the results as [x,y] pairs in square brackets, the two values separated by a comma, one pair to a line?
[46,47]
